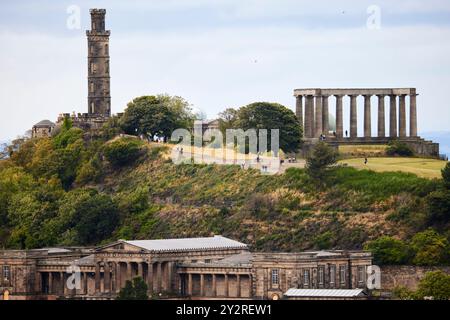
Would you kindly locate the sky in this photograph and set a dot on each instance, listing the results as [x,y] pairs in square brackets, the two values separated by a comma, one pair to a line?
[223,53]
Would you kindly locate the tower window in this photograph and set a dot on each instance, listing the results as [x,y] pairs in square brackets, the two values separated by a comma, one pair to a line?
[92,107]
[106,49]
[92,87]
[93,68]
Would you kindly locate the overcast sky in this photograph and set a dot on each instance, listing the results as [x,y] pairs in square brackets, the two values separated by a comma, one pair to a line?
[223,53]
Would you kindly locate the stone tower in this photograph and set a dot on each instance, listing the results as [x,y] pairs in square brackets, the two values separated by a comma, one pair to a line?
[99,97]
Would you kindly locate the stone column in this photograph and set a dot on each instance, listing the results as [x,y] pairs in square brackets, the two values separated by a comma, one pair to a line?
[309,117]
[106,277]
[214,286]
[325,116]
[401,116]
[318,118]
[367,118]
[353,117]
[129,271]
[150,278]
[189,284]
[393,116]
[140,270]
[50,282]
[113,277]
[339,121]
[169,276]
[85,282]
[412,115]
[227,290]
[97,277]
[381,120]
[238,285]
[118,277]
[158,276]
[62,284]
[202,285]
[299,109]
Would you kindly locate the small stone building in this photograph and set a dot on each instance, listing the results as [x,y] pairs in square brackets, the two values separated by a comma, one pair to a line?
[193,268]
[42,129]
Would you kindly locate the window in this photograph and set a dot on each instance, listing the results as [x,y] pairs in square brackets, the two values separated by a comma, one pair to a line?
[332,274]
[107,66]
[93,68]
[92,107]
[342,274]
[306,277]
[92,87]
[207,260]
[6,273]
[361,274]
[321,271]
[106,49]
[275,276]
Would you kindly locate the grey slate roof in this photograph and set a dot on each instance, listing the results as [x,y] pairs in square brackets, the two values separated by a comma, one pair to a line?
[324,292]
[44,123]
[216,242]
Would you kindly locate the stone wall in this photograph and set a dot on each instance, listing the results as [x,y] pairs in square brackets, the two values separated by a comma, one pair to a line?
[406,276]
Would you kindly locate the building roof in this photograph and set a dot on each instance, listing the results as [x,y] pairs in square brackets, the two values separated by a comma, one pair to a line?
[216,242]
[324,292]
[44,123]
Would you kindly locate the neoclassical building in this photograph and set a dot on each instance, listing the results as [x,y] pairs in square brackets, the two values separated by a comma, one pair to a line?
[194,268]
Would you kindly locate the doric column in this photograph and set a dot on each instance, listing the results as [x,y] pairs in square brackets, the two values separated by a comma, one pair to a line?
[169,276]
[393,116]
[353,117]
[85,282]
[381,120]
[189,284]
[367,120]
[325,116]
[150,278]
[318,117]
[202,284]
[238,285]
[227,289]
[140,270]
[339,117]
[299,109]
[129,272]
[401,116]
[62,284]
[214,286]
[106,277]
[309,117]
[113,277]
[97,277]
[412,115]
[50,282]
[158,276]
[118,277]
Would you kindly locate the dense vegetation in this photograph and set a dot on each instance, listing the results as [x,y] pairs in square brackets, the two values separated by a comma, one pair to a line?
[87,188]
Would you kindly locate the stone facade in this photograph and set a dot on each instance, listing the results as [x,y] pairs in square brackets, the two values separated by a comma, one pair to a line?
[211,268]
[42,129]
[312,112]
[405,276]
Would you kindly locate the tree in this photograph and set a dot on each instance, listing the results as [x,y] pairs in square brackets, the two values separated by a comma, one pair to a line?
[135,290]
[265,115]
[429,248]
[388,251]
[438,207]
[319,162]
[435,284]
[227,119]
[156,115]
[122,151]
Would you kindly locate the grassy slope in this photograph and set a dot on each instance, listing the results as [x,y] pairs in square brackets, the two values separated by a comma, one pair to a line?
[282,212]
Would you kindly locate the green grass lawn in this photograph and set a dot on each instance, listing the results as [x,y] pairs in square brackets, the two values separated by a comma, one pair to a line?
[427,168]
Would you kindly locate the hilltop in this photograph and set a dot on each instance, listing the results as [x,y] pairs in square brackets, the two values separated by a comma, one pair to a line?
[73,190]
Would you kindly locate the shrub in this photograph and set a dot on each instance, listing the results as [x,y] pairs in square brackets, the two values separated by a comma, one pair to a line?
[429,248]
[397,148]
[387,250]
[136,290]
[122,151]
[435,284]
[319,162]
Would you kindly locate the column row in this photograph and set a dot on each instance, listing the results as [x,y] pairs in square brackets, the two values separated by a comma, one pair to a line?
[216,285]
[316,116]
